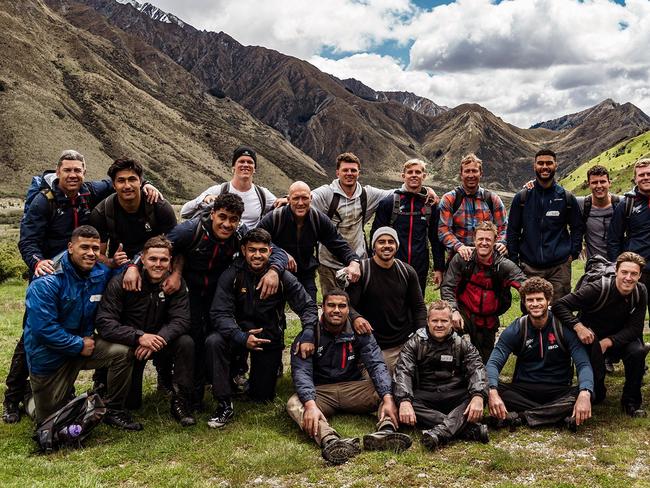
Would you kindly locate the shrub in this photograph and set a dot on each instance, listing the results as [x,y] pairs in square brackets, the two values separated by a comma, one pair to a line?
[11,264]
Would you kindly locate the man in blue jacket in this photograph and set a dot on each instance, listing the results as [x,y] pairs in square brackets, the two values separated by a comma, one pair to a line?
[331,381]
[545,227]
[541,392]
[629,229]
[59,339]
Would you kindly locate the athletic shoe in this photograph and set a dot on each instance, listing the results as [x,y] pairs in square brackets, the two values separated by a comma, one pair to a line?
[430,440]
[11,413]
[339,451]
[180,413]
[475,432]
[386,440]
[121,419]
[222,415]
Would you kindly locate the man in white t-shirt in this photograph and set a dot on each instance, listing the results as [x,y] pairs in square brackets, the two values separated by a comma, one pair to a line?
[257,199]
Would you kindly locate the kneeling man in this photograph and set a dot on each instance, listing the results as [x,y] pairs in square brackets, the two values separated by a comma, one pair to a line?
[541,391]
[440,382]
[331,381]
[156,324]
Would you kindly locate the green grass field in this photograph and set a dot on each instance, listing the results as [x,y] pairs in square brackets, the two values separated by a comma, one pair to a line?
[263,447]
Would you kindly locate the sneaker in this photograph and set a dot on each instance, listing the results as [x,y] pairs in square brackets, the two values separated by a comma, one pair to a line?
[634,412]
[386,440]
[180,413]
[570,424]
[121,419]
[475,432]
[339,451]
[430,440]
[222,415]
[11,413]
[513,421]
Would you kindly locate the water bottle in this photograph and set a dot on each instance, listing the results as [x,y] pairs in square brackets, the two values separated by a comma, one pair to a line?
[70,432]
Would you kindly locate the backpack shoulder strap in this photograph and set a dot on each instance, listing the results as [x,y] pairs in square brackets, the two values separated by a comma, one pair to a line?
[523,195]
[196,237]
[459,196]
[365,273]
[586,208]
[606,285]
[334,205]
[396,209]
[616,199]
[402,271]
[314,217]
[150,214]
[487,196]
[261,196]
[277,220]
[364,204]
[224,187]
[109,215]
[523,332]
[458,351]
[558,329]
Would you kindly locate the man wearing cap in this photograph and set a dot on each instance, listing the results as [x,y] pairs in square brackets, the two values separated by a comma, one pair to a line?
[387,301]
[257,199]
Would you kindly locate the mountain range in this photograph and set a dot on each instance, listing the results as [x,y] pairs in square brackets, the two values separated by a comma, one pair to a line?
[115,78]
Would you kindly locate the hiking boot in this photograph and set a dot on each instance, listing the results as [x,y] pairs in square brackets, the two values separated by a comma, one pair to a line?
[570,424]
[634,412]
[609,366]
[475,432]
[513,421]
[339,451]
[121,419]
[180,412]
[386,440]
[222,415]
[11,413]
[430,440]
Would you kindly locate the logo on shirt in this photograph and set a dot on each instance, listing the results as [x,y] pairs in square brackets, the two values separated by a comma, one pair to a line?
[553,213]
[446,358]
[551,338]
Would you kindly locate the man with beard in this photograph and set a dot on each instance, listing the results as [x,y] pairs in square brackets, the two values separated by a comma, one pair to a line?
[545,227]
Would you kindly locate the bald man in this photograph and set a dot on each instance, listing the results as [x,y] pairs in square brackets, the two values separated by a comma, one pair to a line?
[297,228]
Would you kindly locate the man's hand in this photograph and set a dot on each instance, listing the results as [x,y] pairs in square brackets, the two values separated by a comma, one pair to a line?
[529,185]
[43,267]
[305,349]
[465,252]
[457,321]
[432,197]
[310,418]
[474,410]
[152,341]
[585,334]
[496,406]
[143,353]
[209,199]
[388,409]
[292,265]
[89,346]
[120,258]
[132,280]
[280,202]
[501,248]
[172,283]
[406,413]
[582,407]
[354,271]
[605,344]
[152,193]
[268,284]
[362,326]
[253,343]
[437,279]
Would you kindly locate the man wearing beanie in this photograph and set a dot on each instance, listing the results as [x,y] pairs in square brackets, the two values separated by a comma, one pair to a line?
[257,199]
[387,301]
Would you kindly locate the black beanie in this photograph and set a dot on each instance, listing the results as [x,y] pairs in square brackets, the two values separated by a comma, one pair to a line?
[244,151]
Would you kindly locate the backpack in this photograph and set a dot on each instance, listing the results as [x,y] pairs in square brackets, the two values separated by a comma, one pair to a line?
[259,190]
[503,293]
[85,411]
[42,184]
[109,212]
[334,205]
[397,212]
[460,196]
[600,269]
[586,207]
[558,330]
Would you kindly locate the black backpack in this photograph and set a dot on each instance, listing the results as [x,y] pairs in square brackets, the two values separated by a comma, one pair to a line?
[460,196]
[586,207]
[85,412]
[397,212]
[558,330]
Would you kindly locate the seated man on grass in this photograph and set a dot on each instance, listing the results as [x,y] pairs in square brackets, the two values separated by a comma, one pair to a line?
[440,382]
[331,381]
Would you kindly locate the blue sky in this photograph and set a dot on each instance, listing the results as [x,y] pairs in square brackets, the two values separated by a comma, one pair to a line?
[525,60]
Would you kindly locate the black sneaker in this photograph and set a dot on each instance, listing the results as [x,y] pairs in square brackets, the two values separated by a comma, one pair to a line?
[633,411]
[222,415]
[386,440]
[179,412]
[11,413]
[430,440]
[475,432]
[339,451]
[121,419]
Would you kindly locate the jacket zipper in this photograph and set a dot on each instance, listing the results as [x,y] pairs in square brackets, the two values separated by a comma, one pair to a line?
[410,230]
[215,253]
[541,347]
[344,356]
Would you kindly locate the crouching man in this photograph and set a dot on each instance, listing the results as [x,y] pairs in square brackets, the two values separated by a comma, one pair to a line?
[541,391]
[331,381]
[440,382]
[156,324]
[59,339]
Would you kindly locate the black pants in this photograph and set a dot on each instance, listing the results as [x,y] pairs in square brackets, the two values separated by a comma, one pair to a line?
[442,411]
[18,377]
[263,374]
[482,338]
[308,280]
[633,355]
[539,403]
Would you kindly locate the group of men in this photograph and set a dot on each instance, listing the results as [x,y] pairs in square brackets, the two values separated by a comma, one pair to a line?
[116,281]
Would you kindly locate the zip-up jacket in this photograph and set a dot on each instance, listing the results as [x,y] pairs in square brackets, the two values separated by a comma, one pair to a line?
[619,319]
[237,307]
[124,316]
[414,231]
[429,365]
[542,360]
[316,228]
[210,257]
[633,233]
[478,295]
[60,312]
[43,235]
[347,217]
[545,232]
[339,358]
